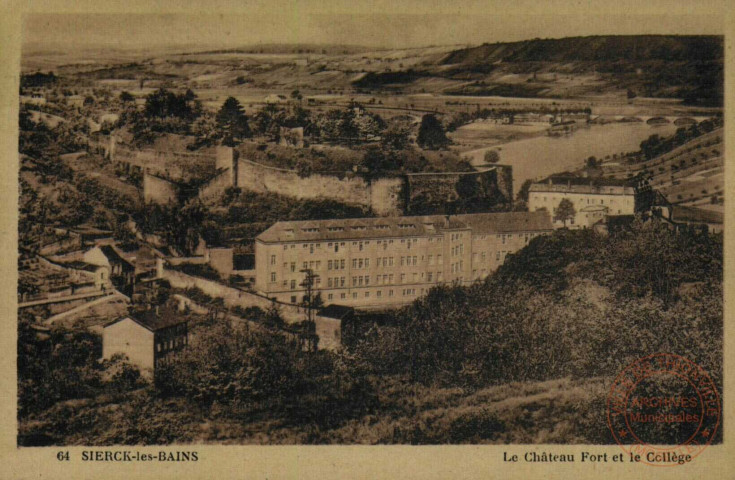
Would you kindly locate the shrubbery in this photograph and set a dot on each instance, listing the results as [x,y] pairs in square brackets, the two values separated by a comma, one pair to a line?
[572,303]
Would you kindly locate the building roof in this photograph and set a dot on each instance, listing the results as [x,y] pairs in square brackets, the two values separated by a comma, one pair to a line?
[80,265]
[392,227]
[113,256]
[595,186]
[155,320]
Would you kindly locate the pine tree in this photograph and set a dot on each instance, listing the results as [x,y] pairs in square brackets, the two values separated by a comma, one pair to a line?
[232,121]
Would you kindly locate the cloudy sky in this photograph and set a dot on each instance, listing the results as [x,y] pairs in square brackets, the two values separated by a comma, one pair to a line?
[379,23]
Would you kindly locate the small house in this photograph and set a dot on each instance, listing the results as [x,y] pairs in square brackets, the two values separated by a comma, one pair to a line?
[146,338]
[122,272]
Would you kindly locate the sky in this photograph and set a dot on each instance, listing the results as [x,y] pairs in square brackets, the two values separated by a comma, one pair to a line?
[293,24]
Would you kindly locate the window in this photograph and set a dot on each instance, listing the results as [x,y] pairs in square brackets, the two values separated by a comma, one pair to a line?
[273,259]
[329,282]
[305,265]
[354,295]
[354,281]
[293,299]
[390,293]
[273,276]
[342,264]
[330,296]
[379,293]
[341,281]
[403,278]
[431,259]
[293,284]
[367,294]
[293,266]
[329,265]
[367,280]
[354,263]
[343,296]
[430,277]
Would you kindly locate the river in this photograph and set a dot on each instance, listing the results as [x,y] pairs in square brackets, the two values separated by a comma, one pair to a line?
[539,157]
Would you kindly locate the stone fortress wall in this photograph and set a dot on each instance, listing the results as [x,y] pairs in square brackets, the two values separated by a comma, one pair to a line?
[387,196]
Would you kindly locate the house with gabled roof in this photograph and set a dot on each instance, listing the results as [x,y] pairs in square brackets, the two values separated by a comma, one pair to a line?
[146,338]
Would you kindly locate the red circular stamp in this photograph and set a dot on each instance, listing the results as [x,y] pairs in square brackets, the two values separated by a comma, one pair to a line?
[663,410]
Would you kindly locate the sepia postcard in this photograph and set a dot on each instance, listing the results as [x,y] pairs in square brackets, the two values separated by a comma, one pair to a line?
[387,240]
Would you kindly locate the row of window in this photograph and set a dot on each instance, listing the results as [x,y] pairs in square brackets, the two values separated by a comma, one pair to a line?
[406,292]
[456,250]
[171,344]
[456,267]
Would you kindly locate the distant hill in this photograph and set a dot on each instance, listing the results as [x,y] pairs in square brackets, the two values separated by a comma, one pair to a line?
[630,48]
[665,66]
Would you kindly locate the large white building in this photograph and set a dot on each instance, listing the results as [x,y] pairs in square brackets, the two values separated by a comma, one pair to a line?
[592,202]
[374,262]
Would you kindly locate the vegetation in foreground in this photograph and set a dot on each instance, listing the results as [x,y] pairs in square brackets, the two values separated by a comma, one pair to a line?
[526,356]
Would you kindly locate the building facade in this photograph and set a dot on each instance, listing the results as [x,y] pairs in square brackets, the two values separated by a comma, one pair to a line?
[591,202]
[146,338]
[383,262]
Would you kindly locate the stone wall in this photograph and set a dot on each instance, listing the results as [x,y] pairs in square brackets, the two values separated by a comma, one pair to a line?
[260,178]
[232,297]
[159,190]
[215,188]
[221,259]
[390,196]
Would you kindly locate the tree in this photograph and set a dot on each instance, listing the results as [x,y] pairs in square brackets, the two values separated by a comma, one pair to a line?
[233,122]
[431,133]
[565,211]
[592,162]
[492,156]
[125,97]
[304,168]
[523,191]
[395,137]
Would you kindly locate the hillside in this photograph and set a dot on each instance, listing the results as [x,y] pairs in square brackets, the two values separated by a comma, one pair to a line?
[527,356]
[603,68]
[686,67]
[638,48]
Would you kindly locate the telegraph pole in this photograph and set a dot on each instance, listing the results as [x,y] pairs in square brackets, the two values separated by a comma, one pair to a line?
[308,285]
